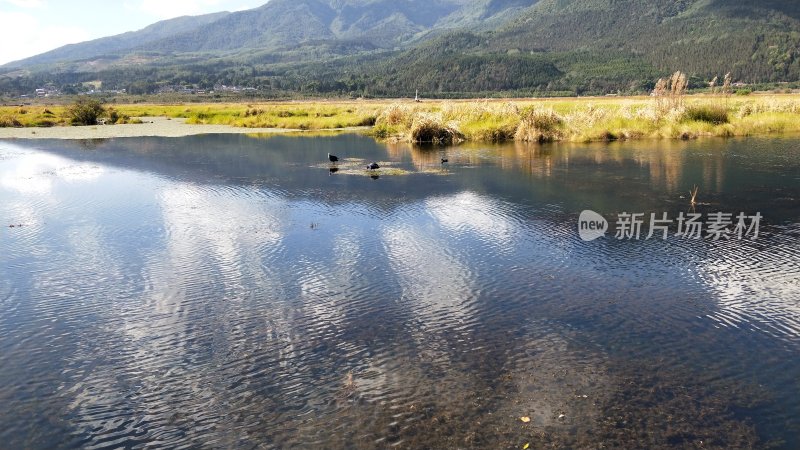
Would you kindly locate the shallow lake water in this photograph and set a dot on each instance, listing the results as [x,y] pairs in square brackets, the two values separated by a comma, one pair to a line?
[229,291]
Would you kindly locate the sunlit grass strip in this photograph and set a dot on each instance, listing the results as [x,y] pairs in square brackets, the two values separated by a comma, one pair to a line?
[33,116]
[541,120]
[297,116]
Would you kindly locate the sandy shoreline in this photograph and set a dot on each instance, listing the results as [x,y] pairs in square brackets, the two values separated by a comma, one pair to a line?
[153,126]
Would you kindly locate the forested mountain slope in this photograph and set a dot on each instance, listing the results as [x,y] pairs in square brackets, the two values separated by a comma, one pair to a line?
[442,47]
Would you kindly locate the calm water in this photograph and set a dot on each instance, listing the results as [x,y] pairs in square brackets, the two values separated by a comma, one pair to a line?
[230,291]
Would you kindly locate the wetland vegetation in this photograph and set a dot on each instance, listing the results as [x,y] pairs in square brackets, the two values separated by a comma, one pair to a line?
[448,121]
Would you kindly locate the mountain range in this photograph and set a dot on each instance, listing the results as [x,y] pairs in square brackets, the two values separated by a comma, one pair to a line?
[441,47]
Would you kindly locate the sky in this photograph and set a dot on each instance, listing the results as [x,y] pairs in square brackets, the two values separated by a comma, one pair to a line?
[30,27]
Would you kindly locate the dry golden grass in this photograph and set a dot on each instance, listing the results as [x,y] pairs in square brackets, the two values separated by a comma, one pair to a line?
[677,116]
[539,125]
[430,128]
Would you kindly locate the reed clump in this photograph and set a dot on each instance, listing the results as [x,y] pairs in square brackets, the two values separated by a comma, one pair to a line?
[9,122]
[484,121]
[669,93]
[393,120]
[397,114]
[253,112]
[428,128]
[540,125]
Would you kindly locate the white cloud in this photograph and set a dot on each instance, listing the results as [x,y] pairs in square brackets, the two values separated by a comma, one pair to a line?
[27,36]
[25,3]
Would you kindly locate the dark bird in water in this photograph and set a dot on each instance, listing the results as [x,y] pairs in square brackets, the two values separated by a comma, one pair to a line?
[445,160]
[333,158]
[373,166]
[333,169]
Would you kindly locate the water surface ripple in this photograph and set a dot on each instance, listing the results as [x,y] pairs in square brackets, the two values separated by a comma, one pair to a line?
[232,292]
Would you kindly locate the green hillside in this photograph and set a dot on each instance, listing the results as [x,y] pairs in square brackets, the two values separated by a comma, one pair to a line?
[756,41]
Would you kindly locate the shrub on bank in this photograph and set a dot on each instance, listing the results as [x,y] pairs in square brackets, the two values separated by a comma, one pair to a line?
[709,113]
[85,111]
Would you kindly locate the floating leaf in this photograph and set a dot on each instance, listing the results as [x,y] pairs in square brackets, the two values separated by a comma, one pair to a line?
[525,419]
[526,446]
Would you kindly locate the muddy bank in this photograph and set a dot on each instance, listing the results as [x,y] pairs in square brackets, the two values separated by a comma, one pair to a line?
[152,126]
